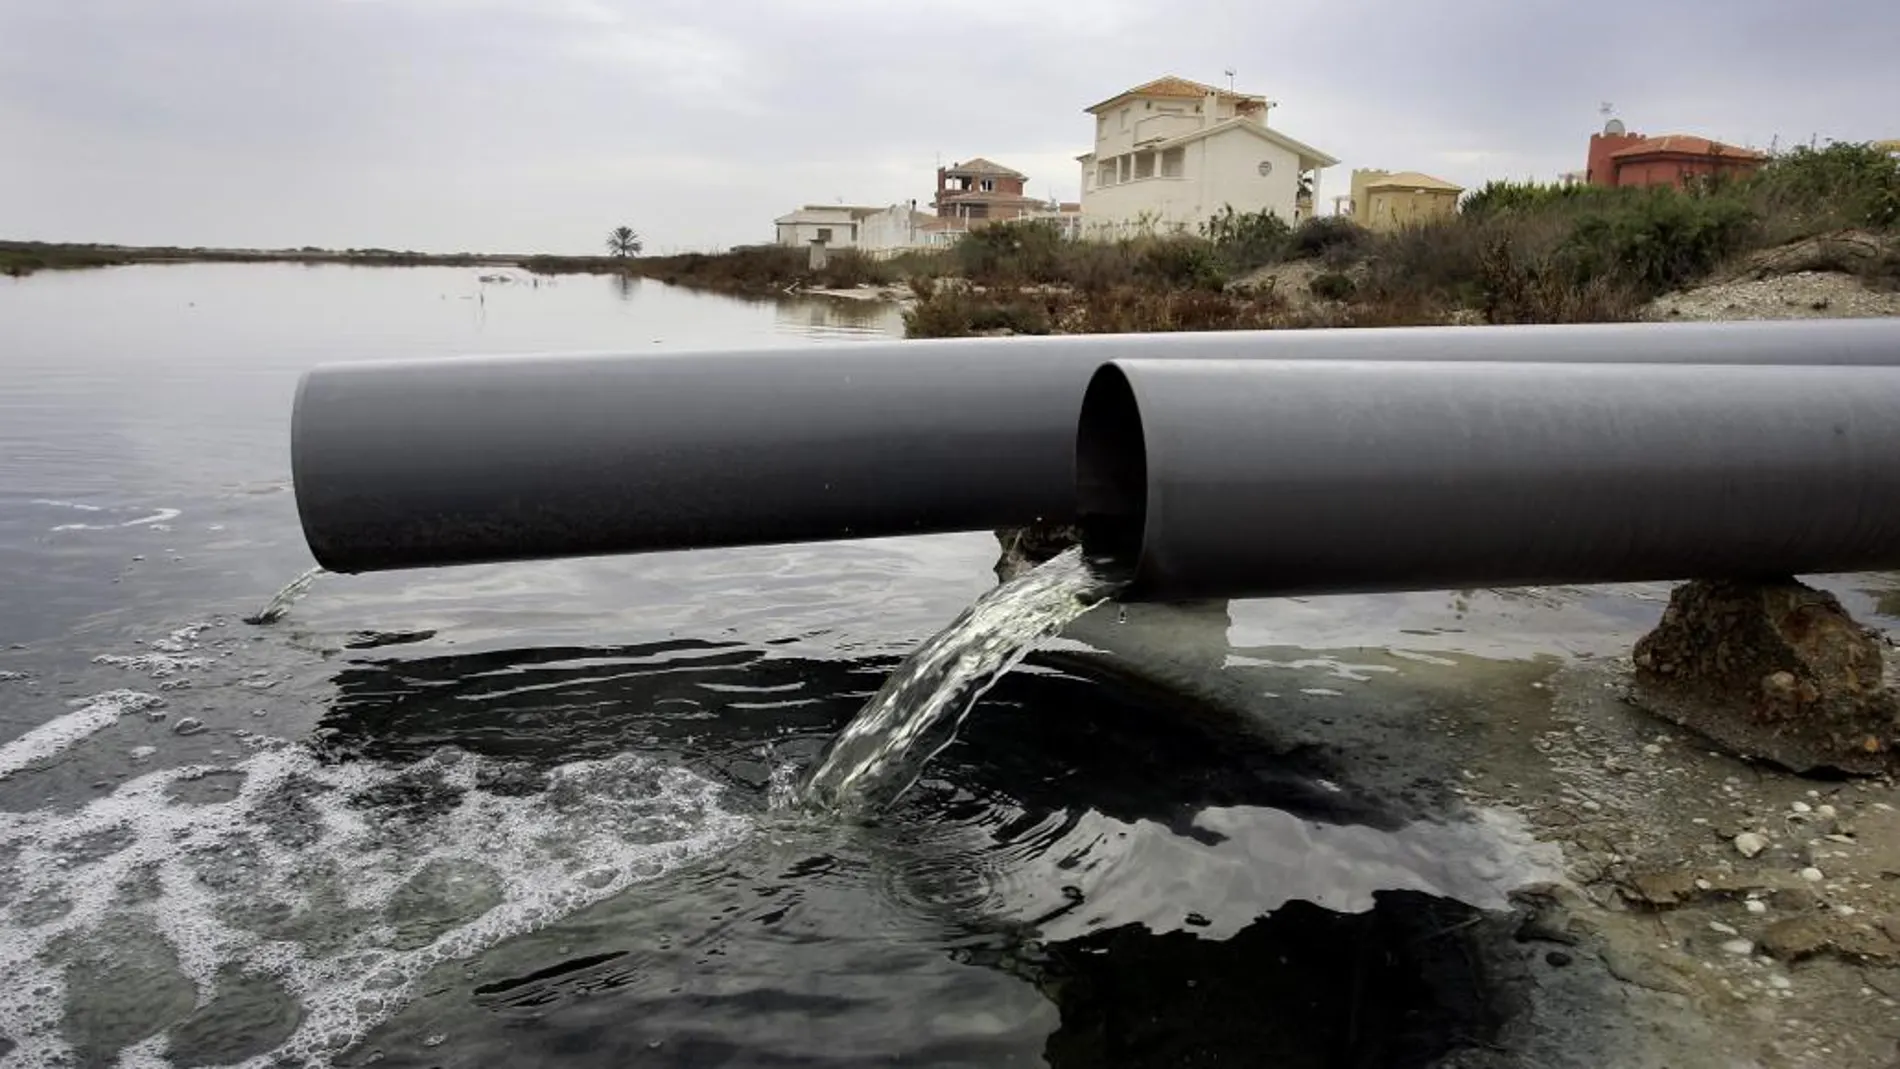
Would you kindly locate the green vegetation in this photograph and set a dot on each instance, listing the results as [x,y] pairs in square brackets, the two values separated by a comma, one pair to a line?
[1517,252]
[622,242]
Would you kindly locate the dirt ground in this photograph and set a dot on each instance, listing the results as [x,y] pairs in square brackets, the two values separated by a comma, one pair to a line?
[1801,295]
[1710,912]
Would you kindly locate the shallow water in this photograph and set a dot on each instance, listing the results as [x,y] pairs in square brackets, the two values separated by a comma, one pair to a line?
[521,814]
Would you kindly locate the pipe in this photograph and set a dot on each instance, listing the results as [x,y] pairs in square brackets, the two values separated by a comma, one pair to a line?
[1259,478]
[434,462]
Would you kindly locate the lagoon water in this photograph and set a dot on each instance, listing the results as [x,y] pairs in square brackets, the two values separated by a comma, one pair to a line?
[523,814]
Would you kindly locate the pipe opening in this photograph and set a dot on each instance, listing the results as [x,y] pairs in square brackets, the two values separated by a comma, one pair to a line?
[1111,467]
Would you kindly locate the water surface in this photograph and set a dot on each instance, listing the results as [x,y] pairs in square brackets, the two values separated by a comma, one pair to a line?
[520,814]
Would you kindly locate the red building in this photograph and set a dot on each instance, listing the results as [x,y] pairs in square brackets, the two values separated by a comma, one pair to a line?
[1619,159]
[981,190]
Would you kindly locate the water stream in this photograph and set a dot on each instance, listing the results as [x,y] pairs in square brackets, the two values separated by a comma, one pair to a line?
[280,602]
[917,711]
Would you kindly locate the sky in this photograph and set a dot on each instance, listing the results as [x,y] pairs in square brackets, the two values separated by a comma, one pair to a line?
[538,125]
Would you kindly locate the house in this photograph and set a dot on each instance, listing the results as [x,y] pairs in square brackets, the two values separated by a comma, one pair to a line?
[832,225]
[982,191]
[1619,159]
[1382,200]
[895,229]
[1172,152]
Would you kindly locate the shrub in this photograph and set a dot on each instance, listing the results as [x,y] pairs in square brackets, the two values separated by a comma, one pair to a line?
[1840,185]
[1012,252]
[1180,262]
[1324,234]
[1245,240]
[953,311]
[1524,289]
[1332,286]
[1659,240]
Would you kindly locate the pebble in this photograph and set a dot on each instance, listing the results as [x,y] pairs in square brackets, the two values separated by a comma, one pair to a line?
[191,725]
[1779,982]
[1652,749]
[1739,946]
[1801,807]
[1755,905]
[1812,874]
[1827,811]
[1558,958]
[1748,844]
[1718,926]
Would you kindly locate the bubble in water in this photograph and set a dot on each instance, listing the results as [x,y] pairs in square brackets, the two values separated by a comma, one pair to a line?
[145,925]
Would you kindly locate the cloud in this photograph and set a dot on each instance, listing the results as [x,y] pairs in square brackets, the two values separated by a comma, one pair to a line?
[537,124]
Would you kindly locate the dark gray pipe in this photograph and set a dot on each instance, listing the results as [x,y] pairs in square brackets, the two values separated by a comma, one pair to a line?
[433,462]
[1260,478]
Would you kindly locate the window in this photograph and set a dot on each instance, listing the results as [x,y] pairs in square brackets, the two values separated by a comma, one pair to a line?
[1101,127]
[1123,161]
[1125,118]
[824,233]
[1105,173]
[1174,163]
[1144,165]
[987,185]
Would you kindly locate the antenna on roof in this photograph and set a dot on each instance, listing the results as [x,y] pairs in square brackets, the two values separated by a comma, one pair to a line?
[1230,79]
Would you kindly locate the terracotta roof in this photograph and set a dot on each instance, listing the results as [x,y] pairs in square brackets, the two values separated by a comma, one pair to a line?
[1413,180]
[1685,145]
[980,165]
[1175,88]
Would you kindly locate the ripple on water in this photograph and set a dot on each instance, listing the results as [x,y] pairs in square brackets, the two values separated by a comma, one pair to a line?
[302,908]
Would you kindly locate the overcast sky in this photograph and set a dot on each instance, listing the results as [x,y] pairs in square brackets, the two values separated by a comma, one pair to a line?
[523,125]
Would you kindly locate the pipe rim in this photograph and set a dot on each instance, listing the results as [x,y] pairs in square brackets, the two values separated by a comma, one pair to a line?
[1111,467]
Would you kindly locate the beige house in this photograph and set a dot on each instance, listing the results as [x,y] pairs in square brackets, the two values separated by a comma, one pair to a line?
[1172,152]
[1382,200]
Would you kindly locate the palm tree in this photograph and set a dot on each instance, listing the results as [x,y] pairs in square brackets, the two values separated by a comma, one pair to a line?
[623,242]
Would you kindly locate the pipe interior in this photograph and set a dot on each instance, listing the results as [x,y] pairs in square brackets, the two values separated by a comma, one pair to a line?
[1111,464]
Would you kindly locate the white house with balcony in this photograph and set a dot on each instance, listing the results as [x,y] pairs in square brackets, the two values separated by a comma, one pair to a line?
[1171,153]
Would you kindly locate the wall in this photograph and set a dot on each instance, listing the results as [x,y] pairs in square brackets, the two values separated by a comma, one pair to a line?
[1220,170]
[1394,209]
[891,229]
[1151,118]
[1600,171]
[1672,170]
[843,233]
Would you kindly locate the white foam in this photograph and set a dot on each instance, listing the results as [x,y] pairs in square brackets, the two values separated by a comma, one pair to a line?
[156,665]
[163,515]
[155,517]
[7,676]
[298,828]
[93,715]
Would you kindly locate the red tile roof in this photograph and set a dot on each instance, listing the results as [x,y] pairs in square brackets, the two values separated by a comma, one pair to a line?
[1174,87]
[980,165]
[1685,145]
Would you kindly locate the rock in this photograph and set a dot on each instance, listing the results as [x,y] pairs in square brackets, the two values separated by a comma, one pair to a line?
[1799,938]
[1773,670]
[1755,905]
[1748,844]
[189,725]
[1812,874]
